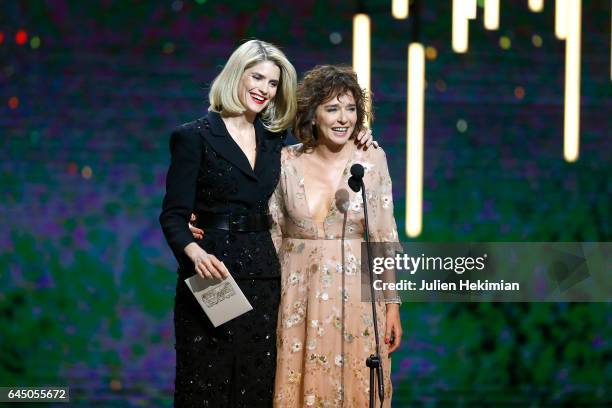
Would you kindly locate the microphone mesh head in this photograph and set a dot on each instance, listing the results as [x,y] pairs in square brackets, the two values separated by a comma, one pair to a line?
[354,184]
[342,200]
[357,170]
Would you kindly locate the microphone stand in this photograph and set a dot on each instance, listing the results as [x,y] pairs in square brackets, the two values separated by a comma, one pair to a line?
[374,362]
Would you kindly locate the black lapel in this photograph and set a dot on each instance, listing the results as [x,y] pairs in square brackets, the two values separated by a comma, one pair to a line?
[261,135]
[269,145]
[226,147]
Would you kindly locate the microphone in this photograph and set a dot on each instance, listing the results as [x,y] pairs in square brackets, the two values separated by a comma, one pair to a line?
[342,200]
[374,362]
[356,178]
[357,171]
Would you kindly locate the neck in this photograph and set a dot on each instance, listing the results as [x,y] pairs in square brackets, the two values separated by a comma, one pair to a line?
[333,152]
[244,121]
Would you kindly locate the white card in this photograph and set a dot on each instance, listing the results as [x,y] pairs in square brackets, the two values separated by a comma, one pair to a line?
[222,301]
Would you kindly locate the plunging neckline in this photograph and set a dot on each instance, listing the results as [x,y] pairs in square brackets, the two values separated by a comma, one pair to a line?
[254,165]
[332,200]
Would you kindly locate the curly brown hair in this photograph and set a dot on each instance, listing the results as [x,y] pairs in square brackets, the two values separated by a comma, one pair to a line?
[319,85]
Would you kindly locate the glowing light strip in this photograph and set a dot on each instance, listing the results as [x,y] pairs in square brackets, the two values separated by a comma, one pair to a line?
[399,9]
[460,27]
[571,139]
[414,144]
[361,52]
[470,9]
[561,18]
[536,5]
[491,14]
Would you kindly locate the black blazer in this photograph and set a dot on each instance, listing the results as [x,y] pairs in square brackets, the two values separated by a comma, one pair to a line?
[209,172]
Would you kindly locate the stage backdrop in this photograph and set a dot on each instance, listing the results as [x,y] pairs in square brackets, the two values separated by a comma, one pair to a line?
[90,92]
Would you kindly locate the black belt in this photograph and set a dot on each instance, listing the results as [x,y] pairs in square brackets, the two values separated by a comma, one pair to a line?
[234,222]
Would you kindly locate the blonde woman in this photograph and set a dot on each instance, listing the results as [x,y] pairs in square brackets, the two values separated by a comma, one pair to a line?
[224,168]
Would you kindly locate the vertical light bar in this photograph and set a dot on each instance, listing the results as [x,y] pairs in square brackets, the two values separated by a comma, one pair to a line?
[611,43]
[399,9]
[460,27]
[561,16]
[536,5]
[571,140]
[471,7]
[414,144]
[361,52]
[491,14]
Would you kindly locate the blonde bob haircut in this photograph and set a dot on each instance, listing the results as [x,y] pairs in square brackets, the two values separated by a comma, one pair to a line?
[223,95]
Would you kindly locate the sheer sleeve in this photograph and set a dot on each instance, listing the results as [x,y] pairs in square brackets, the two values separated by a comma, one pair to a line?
[277,210]
[276,207]
[383,228]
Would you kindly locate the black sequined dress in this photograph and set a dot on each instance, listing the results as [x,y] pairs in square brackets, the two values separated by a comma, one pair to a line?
[232,365]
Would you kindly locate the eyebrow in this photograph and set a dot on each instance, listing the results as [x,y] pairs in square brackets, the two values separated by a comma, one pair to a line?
[262,75]
[336,105]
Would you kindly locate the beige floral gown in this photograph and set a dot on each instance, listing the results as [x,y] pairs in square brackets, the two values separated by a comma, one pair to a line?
[325,330]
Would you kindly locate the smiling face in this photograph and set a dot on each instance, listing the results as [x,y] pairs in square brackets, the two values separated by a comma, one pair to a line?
[335,120]
[258,85]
